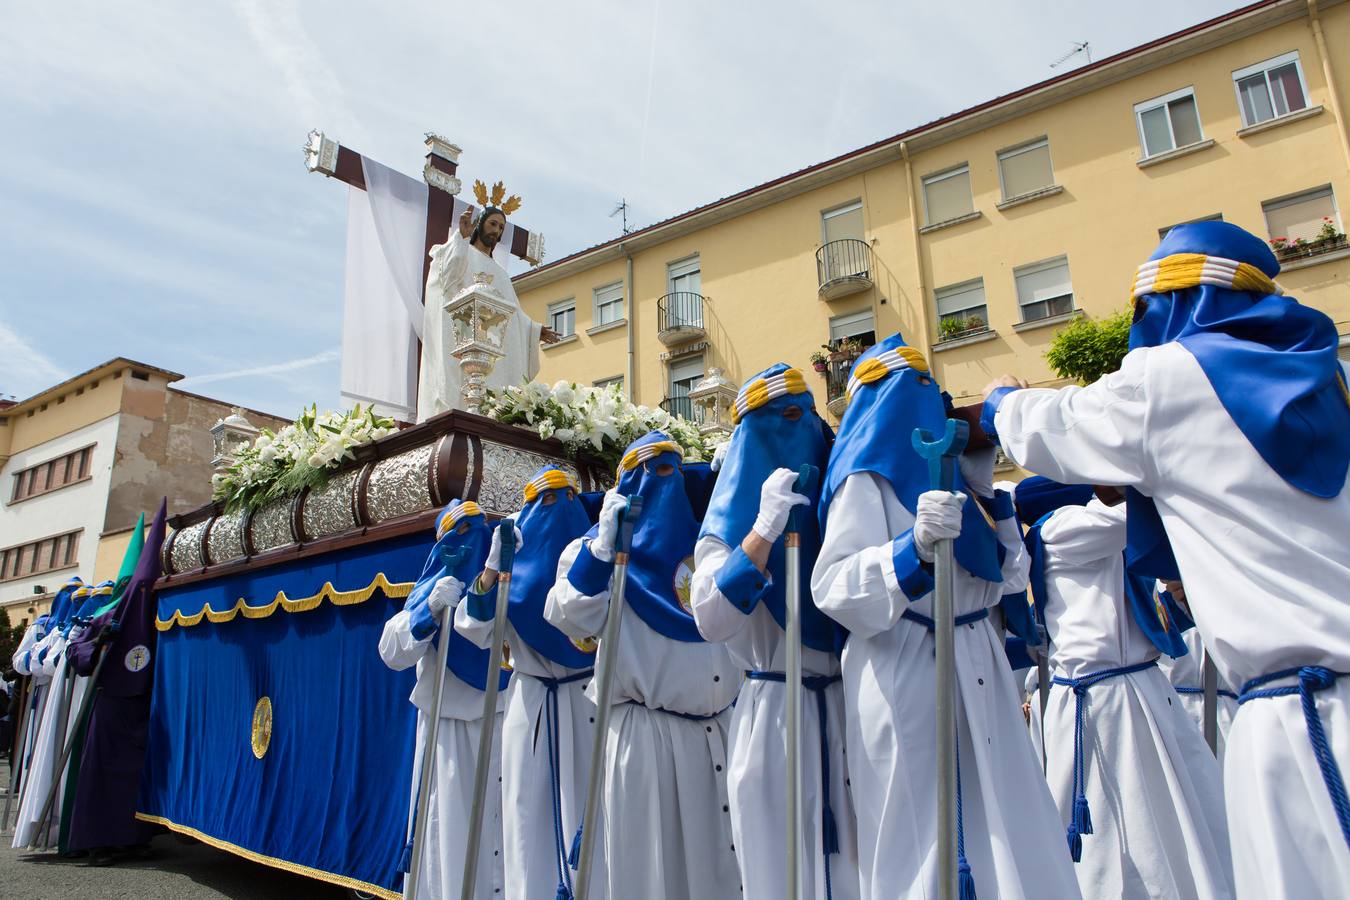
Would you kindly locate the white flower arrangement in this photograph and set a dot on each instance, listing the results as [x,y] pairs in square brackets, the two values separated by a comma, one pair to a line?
[597,421]
[303,454]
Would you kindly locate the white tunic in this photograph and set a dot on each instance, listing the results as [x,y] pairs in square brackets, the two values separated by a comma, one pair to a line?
[530,842]
[667,830]
[1153,787]
[758,770]
[451,802]
[1014,839]
[1266,568]
[453,267]
[1185,673]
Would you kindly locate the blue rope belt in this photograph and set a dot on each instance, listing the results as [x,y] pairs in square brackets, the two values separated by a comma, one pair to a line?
[1196,690]
[1311,679]
[966,880]
[553,728]
[816,684]
[1080,823]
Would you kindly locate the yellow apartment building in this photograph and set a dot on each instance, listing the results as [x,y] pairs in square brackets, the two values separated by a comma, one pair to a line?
[979,234]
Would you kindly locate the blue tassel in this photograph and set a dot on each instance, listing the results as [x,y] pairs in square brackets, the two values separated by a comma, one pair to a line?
[564,892]
[574,857]
[1075,844]
[965,881]
[405,858]
[1082,818]
[829,832]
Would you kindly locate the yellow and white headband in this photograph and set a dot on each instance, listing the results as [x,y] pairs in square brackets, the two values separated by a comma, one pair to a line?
[762,390]
[548,481]
[878,367]
[457,515]
[639,455]
[1187,270]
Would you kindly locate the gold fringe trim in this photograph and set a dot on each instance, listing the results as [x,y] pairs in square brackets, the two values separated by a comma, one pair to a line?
[281,601]
[331,878]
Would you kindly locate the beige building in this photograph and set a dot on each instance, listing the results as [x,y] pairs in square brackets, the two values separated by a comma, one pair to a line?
[81,460]
[979,234]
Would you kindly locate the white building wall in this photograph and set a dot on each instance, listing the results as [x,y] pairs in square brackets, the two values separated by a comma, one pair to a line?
[77,506]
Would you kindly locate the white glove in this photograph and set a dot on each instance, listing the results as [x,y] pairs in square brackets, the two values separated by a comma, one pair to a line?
[611,513]
[446,593]
[719,455]
[776,499]
[494,560]
[977,468]
[938,518]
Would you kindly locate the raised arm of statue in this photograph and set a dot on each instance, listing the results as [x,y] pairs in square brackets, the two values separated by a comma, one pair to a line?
[450,263]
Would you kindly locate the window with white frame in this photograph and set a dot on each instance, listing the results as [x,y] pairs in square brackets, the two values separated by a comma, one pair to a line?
[1270,89]
[1168,122]
[1025,169]
[609,303]
[685,276]
[685,372]
[613,380]
[841,231]
[1216,217]
[1302,216]
[946,195]
[562,317]
[1044,289]
[858,325]
[961,308]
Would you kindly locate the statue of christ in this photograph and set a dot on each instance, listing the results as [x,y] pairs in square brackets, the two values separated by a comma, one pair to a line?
[454,266]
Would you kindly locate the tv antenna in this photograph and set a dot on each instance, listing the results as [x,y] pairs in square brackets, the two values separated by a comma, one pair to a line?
[1084,48]
[621,207]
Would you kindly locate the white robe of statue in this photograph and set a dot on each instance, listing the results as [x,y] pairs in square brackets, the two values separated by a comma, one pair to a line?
[1154,789]
[454,265]
[451,801]
[1265,567]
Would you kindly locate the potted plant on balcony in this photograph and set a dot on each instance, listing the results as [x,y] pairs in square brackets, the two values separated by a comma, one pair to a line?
[1327,239]
[820,362]
[958,326]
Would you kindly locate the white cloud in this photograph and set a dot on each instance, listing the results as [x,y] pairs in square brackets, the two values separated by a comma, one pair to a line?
[271,369]
[26,369]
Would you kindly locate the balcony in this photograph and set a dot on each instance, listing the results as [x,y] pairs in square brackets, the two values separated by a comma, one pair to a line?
[844,267]
[1301,250]
[679,318]
[836,372]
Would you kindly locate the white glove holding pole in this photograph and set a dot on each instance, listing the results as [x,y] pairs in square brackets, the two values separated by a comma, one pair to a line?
[611,513]
[776,499]
[719,456]
[446,593]
[977,469]
[494,557]
[938,518]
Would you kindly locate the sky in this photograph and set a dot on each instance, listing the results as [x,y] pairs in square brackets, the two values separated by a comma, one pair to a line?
[154,202]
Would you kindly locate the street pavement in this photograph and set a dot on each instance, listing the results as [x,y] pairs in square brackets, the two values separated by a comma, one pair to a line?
[178,867]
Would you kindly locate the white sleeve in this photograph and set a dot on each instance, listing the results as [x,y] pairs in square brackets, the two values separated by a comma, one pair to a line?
[717,617]
[478,632]
[569,610]
[450,262]
[1096,434]
[1016,569]
[854,581]
[29,639]
[398,648]
[1078,535]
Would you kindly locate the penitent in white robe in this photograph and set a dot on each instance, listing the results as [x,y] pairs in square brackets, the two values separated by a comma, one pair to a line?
[451,802]
[1013,837]
[666,825]
[529,833]
[1187,680]
[757,775]
[453,267]
[1154,789]
[1266,568]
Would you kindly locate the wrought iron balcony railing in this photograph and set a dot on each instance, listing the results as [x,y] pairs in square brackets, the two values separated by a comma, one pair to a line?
[679,318]
[844,267]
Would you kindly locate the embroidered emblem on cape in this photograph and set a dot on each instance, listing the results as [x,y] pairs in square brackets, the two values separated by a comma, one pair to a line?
[684,583]
[262,727]
[1161,611]
[137,658]
[586,645]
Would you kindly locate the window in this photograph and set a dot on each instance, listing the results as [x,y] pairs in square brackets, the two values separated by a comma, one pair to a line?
[1026,169]
[1270,89]
[1301,215]
[1216,217]
[844,254]
[612,380]
[609,303]
[52,474]
[562,317]
[1044,289]
[961,308]
[946,195]
[46,555]
[858,325]
[684,374]
[1168,122]
[684,276]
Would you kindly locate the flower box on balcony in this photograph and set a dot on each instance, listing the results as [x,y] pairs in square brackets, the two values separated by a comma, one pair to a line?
[1288,252]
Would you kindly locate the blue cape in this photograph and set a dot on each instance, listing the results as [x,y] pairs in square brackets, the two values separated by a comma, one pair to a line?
[64,604]
[468,662]
[546,531]
[1271,361]
[875,436]
[762,442]
[1158,617]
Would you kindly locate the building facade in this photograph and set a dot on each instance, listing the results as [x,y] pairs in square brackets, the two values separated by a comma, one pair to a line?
[80,462]
[981,234]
